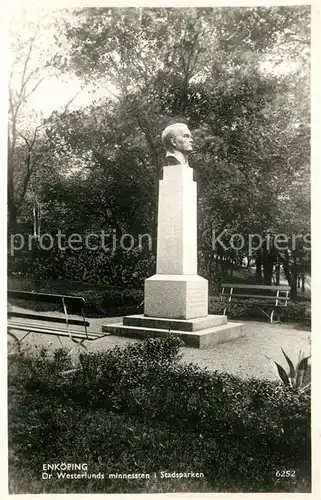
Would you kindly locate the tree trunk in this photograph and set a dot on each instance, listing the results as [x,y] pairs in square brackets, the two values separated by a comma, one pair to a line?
[208,262]
[287,272]
[277,272]
[12,217]
[269,259]
[294,288]
[267,272]
[258,271]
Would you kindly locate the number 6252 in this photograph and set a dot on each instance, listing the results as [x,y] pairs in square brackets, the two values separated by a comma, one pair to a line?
[285,473]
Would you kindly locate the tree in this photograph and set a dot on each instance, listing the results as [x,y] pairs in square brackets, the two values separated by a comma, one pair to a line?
[253,138]
[33,61]
[220,71]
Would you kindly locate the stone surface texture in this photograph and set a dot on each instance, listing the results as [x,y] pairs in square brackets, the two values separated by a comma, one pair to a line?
[200,339]
[176,296]
[192,325]
[176,291]
[177,223]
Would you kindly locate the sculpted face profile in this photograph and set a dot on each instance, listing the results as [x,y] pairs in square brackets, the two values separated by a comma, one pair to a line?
[178,143]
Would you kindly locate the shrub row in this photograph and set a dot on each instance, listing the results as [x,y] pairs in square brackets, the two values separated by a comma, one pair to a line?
[104,302]
[99,302]
[238,432]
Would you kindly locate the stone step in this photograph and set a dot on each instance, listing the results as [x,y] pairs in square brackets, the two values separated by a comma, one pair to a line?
[185,325]
[199,339]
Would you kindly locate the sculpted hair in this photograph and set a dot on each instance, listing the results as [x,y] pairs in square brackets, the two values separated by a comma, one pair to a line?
[169,132]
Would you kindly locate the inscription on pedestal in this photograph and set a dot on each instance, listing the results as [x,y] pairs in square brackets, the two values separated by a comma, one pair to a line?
[196,298]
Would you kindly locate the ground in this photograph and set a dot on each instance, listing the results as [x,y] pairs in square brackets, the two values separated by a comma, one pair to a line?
[244,356]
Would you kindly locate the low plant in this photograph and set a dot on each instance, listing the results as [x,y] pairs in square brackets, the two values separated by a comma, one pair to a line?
[140,408]
[296,375]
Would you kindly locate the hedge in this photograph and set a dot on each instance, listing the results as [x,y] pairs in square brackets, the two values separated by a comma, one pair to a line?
[138,408]
[99,302]
[104,301]
[296,312]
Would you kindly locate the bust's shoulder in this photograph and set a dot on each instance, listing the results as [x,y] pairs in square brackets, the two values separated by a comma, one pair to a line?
[171,160]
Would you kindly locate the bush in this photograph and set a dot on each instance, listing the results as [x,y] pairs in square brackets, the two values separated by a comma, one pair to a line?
[100,300]
[108,302]
[116,268]
[139,408]
[296,312]
[248,309]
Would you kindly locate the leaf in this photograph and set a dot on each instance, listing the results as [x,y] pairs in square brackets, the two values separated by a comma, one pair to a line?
[303,364]
[301,369]
[279,371]
[292,370]
[305,387]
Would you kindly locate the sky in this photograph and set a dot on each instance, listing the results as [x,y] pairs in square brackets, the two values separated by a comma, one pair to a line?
[56,90]
[55,94]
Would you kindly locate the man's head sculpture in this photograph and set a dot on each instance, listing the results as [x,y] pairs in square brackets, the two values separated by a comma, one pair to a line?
[178,143]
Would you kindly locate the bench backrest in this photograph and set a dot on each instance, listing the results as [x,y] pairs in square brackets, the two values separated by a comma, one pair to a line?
[284,288]
[269,292]
[75,303]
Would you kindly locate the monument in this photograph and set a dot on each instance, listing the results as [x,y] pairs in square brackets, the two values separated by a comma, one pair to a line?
[176,298]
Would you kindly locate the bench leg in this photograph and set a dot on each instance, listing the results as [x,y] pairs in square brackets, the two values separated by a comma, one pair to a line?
[79,344]
[265,314]
[25,336]
[272,315]
[18,341]
[62,346]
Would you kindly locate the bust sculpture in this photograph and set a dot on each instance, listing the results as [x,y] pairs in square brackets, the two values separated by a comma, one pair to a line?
[178,143]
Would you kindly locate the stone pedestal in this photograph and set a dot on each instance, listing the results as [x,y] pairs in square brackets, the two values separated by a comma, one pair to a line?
[201,333]
[176,291]
[177,222]
[176,298]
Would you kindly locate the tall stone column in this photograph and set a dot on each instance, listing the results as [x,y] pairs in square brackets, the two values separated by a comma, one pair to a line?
[176,298]
[176,291]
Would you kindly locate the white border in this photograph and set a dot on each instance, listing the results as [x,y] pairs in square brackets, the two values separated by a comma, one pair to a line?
[316,266]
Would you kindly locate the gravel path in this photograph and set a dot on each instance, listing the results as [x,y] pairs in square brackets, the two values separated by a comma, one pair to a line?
[244,356]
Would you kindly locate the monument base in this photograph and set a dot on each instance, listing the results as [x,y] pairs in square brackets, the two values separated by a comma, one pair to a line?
[176,296]
[200,332]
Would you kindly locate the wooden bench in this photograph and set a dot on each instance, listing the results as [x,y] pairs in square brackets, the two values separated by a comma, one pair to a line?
[275,297]
[30,322]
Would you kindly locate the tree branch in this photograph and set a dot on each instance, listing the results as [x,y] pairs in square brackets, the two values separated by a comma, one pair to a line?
[25,139]
[32,91]
[27,59]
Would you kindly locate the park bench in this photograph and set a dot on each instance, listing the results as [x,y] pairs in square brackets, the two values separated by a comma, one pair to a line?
[64,326]
[275,297]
